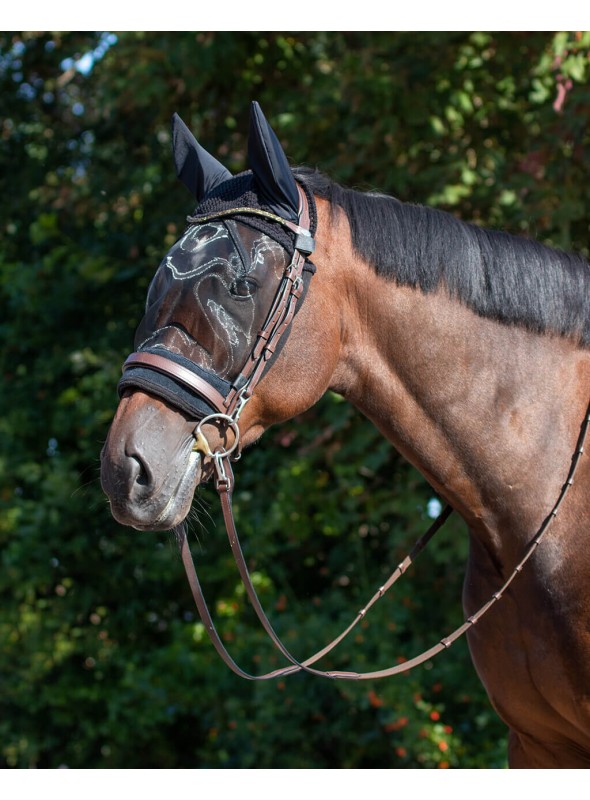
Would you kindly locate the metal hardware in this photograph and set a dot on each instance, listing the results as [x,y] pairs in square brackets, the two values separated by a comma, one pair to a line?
[202,445]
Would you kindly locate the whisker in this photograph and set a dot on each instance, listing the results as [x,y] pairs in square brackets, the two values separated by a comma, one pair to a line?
[201,523]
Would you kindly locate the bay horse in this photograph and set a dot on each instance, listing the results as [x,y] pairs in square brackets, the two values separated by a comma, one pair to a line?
[467,348]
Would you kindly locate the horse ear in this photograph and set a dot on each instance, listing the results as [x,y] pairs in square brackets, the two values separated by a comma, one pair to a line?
[271,169]
[199,171]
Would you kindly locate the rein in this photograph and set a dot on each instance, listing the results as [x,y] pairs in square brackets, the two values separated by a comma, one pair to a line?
[225,489]
[226,410]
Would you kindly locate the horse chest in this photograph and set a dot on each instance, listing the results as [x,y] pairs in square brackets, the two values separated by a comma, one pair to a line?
[529,654]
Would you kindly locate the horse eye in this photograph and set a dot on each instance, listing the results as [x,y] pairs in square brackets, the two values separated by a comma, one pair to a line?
[243,287]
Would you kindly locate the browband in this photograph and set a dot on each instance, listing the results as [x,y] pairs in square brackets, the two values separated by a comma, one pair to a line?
[304,241]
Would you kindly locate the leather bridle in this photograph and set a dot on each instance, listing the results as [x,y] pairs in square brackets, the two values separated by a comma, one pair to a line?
[226,410]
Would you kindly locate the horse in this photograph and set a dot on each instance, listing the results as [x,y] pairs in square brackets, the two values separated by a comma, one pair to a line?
[467,348]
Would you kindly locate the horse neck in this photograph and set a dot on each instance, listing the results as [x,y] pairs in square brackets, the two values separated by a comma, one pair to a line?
[488,413]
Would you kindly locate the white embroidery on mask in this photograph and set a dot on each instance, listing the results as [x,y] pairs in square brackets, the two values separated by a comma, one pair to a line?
[260,248]
[175,340]
[195,240]
[227,323]
[200,236]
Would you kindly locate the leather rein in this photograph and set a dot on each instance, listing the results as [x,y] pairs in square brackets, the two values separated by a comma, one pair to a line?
[227,410]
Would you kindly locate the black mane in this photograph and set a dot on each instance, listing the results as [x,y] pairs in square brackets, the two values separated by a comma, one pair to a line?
[498,275]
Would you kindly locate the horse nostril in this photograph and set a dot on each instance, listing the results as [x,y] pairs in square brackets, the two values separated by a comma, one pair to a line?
[142,476]
[140,473]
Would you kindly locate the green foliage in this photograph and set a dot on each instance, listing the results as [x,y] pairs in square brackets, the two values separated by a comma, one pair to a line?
[102,662]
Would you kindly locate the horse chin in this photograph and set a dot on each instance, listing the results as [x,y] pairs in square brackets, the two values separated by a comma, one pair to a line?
[163,510]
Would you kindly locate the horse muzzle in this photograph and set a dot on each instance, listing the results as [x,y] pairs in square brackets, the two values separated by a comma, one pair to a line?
[150,470]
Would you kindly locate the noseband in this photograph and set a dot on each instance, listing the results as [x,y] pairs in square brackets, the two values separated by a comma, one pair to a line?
[222,402]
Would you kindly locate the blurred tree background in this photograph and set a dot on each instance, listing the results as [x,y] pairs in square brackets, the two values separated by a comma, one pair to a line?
[102,661]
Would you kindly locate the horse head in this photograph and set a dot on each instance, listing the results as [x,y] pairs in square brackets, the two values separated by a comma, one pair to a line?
[222,308]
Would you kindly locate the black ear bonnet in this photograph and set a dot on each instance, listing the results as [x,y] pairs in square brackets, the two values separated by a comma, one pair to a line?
[242,192]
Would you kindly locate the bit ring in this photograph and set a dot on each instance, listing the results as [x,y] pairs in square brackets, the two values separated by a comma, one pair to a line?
[201,444]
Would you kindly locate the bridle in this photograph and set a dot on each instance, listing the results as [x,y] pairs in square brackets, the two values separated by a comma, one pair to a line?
[225,412]
[227,408]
